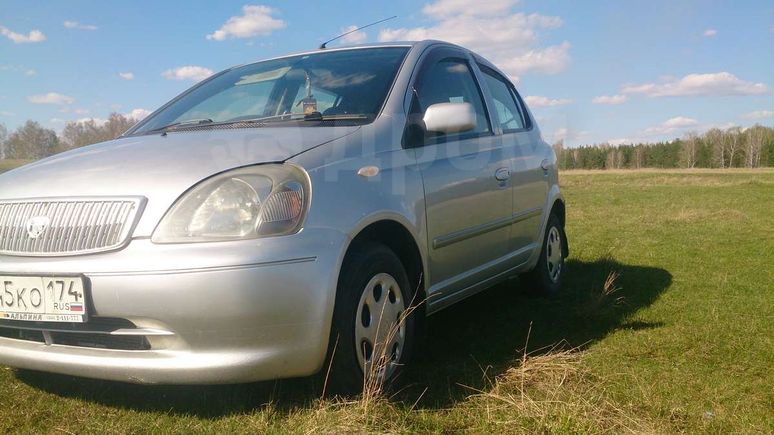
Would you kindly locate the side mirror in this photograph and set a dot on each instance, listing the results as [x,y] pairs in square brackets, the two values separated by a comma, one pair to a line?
[450,118]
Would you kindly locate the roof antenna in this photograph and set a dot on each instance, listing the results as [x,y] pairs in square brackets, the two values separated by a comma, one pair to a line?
[323,45]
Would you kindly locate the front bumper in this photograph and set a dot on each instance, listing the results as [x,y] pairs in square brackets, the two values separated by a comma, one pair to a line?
[212,313]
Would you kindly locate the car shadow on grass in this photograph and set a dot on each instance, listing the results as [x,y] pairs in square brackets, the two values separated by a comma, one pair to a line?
[466,345]
[470,343]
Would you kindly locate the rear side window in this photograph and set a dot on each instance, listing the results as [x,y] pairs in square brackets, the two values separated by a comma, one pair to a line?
[509,112]
[451,81]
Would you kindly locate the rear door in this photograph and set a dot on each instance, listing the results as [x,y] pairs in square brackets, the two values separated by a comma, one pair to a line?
[466,178]
[522,141]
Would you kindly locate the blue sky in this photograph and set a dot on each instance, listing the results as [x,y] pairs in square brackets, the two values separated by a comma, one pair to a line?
[592,71]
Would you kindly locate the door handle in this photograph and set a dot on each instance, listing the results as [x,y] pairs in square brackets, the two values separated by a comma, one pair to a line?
[503,174]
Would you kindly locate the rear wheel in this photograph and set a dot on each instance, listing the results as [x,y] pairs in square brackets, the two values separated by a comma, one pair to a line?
[546,278]
[373,326]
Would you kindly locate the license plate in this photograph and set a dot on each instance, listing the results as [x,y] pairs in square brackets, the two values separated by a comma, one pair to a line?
[39,299]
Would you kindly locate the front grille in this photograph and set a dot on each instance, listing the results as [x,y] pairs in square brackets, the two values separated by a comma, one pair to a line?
[96,333]
[58,227]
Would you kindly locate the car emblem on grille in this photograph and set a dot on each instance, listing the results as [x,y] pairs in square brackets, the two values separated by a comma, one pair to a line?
[37,226]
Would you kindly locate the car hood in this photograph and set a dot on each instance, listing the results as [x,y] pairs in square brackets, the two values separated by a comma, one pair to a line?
[159,168]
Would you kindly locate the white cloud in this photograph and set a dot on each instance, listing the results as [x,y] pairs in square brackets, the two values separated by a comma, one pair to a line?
[447,8]
[356,37]
[81,111]
[619,141]
[540,101]
[712,84]
[610,99]
[491,28]
[77,25]
[189,72]
[257,20]
[759,114]
[6,113]
[50,98]
[709,33]
[564,134]
[549,60]
[19,68]
[19,38]
[560,134]
[98,121]
[138,114]
[680,122]
[126,75]
[671,125]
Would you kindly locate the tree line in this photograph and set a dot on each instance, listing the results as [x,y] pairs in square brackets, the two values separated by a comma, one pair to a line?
[735,147]
[32,141]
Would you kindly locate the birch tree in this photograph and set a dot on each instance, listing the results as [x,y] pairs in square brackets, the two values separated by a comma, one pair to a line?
[689,150]
[733,138]
[754,139]
[716,140]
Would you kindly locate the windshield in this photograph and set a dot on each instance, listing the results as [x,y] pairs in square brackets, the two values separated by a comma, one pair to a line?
[343,84]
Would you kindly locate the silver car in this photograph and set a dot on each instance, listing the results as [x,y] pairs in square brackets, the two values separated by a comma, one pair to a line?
[280,217]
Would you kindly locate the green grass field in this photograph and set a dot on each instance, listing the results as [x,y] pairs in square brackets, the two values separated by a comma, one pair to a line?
[679,339]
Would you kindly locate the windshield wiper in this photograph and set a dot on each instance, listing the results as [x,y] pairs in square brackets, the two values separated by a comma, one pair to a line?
[186,123]
[283,117]
[315,116]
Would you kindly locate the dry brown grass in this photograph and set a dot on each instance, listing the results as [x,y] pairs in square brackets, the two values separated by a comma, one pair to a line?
[551,391]
[692,215]
[374,381]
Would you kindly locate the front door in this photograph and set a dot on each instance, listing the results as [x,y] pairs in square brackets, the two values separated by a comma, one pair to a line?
[466,178]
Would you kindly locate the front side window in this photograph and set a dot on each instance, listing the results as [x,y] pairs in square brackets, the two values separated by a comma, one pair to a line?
[508,112]
[450,81]
[341,83]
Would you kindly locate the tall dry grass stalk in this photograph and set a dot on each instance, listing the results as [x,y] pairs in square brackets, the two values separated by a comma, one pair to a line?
[375,379]
[600,300]
[541,392]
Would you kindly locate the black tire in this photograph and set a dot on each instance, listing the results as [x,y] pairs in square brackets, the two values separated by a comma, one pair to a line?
[543,280]
[360,266]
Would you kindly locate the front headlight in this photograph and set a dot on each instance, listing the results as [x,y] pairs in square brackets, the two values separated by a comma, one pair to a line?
[247,203]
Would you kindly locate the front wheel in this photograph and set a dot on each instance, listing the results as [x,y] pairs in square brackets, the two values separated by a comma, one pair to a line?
[373,324]
[546,278]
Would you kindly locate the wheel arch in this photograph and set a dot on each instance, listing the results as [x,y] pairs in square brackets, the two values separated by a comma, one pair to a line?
[559,209]
[398,238]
